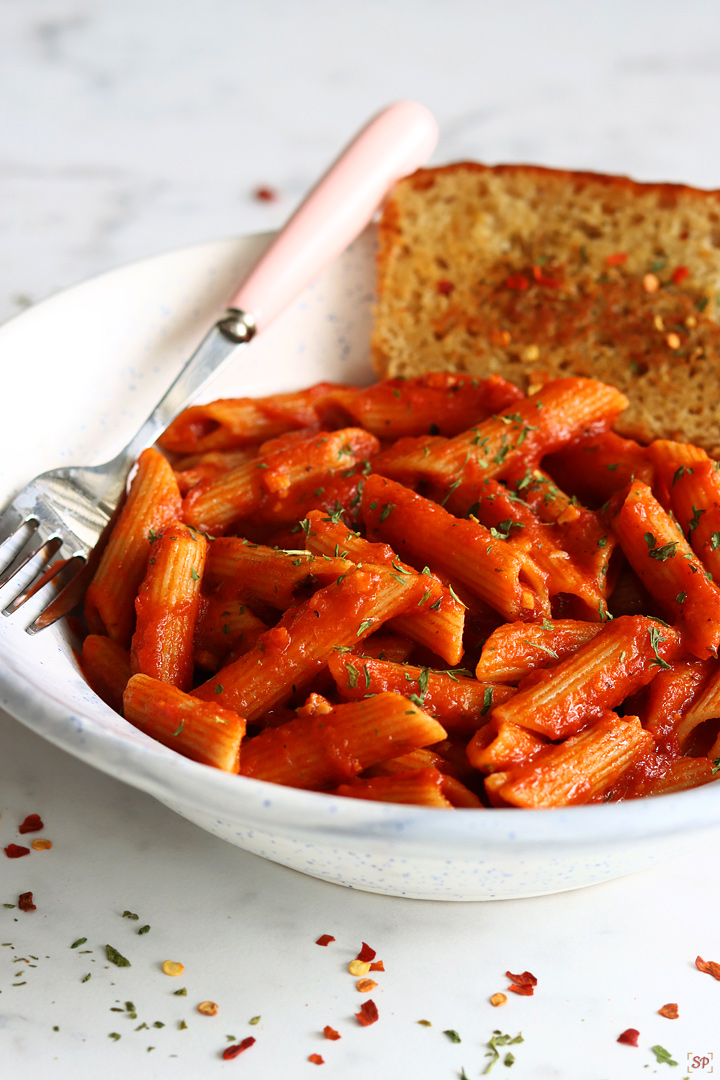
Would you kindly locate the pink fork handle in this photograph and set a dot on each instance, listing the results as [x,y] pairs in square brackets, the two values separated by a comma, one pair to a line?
[394,143]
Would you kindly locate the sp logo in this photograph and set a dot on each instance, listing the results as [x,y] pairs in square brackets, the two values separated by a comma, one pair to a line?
[700,1063]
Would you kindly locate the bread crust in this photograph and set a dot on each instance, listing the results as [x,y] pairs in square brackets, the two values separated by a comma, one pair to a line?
[532,273]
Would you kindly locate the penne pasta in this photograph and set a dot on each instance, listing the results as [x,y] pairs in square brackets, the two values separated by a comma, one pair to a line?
[515,649]
[624,656]
[203,731]
[324,750]
[419,787]
[106,666]
[152,503]
[167,606]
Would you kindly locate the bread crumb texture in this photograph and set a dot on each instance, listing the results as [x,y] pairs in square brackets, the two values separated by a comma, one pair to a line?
[533,273]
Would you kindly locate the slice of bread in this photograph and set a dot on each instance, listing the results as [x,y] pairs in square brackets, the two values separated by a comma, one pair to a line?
[533,273]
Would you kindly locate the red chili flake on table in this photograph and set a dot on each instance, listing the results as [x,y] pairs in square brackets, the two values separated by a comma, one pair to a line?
[324,939]
[629,1037]
[25,902]
[616,260]
[14,851]
[445,287]
[377,966]
[265,194]
[368,1013]
[519,988]
[517,281]
[330,1033]
[316,1059]
[708,966]
[233,1051]
[526,979]
[669,1011]
[32,823]
[679,274]
[366,954]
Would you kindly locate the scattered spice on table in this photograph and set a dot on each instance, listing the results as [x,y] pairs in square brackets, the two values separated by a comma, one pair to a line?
[498,999]
[366,954]
[173,967]
[231,1052]
[79,941]
[499,1039]
[424,1023]
[265,194]
[452,1035]
[368,1013]
[116,958]
[330,1033]
[25,902]
[180,993]
[208,1008]
[316,1059]
[365,985]
[129,915]
[662,1056]
[377,966]
[669,1011]
[629,1037]
[358,967]
[709,967]
[255,1020]
[523,984]
[32,823]
[324,939]
[16,851]
[144,929]
[42,845]
[114,1035]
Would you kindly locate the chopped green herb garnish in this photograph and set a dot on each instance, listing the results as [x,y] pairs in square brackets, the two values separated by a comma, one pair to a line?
[681,597]
[114,1035]
[452,1035]
[180,727]
[387,511]
[502,530]
[144,929]
[487,701]
[86,978]
[662,1055]
[194,574]
[219,688]
[498,1039]
[602,541]
[455,597]
[667,551]
[364,625]
[353,675]
[655,640]
[695,519]
[80,941]
[116,958]
[545,648]
[180,993]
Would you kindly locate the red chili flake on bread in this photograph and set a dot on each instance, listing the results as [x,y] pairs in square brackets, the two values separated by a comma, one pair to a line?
[377,966]
[629,1037]
[445,287]
[14,851]
[708,966]
[679,274]
[669,1011]
[265,194]
[25,902]
[366,954]
[368,1013]
[330,1033]
[324,939]
[545,279]
[32,823]
[617,259]
[518,282]
[316,1059]
[232,1051]
[526,979]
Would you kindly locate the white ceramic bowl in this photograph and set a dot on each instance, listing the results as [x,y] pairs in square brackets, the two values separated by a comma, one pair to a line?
[80,372]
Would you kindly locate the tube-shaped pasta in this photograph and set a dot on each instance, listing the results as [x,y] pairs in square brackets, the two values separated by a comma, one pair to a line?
[234,422]
[276,578]
[670,571]
[285,659]
[326,749]
[106,666]
[201,730]
[623,657]
[503,746]
[439,619]
[167,606]
[419,787]
[460,704]
[582,768]
[272,483]
[526,430]
[423,532]
[515,649]
[152,503]
[225,629]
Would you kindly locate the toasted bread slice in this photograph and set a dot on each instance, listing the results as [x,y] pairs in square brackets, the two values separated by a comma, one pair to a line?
[533,273]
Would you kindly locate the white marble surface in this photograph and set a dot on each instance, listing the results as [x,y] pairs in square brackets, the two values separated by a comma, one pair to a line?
[131,127]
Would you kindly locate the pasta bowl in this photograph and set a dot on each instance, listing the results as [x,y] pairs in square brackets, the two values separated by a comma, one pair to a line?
[101,354]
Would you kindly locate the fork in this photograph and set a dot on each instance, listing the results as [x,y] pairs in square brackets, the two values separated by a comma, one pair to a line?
[68,512]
